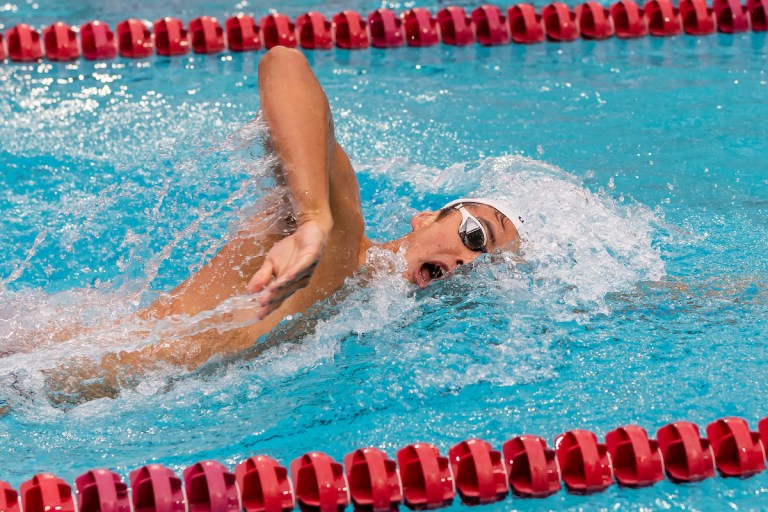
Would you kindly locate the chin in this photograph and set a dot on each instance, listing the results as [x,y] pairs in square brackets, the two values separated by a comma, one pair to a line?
[409,275]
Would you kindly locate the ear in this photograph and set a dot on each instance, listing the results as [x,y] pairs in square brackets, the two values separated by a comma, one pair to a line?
[422,219]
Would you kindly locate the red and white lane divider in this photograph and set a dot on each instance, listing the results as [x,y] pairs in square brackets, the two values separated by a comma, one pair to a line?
[383,28]
[421,477]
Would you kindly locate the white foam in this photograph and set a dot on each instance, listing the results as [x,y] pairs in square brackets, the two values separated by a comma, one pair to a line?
[584,243]
[579,246]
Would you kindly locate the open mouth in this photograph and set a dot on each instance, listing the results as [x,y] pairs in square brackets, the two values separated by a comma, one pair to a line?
[428,272]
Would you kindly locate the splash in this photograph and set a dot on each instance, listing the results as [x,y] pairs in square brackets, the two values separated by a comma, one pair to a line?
[579,245]
[494,321]
[498,320]
[78,326]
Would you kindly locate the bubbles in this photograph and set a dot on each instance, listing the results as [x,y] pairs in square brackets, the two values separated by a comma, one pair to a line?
[101,317]
[495,322]
[578,247]
[579,244]
[124,219]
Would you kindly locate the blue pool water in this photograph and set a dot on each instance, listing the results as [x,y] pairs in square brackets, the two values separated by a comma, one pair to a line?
[641,169]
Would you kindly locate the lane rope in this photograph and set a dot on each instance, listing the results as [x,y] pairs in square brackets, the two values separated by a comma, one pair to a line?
[486,25]
[419,477]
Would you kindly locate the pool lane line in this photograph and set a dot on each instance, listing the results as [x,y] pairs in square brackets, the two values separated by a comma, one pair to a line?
[420,477]
[486,25]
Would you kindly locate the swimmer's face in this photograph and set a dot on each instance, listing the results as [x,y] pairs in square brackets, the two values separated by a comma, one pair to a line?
[434,248]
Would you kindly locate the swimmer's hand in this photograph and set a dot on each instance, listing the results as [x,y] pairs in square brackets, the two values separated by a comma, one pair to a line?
[291,262]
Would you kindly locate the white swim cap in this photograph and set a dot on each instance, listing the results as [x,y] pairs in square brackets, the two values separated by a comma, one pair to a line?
[505,210]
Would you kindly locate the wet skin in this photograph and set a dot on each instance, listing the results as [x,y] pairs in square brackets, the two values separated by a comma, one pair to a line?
[286,274]
[434,249]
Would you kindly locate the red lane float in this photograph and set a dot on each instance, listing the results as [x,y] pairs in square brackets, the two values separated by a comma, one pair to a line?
[585,466]
[386,29]
[687,457]
[738,451]
[628,19]
[9,498]
[636,459]
[60,42]
[525,24]
[478,472]
[416,27]
[97,41]
[134,39]
[24,43]
[170,37]
[730,16]
[758,14]
[210,488]
[243,35]
[373,481]
[762,428]
[155,488]
[663,18]
[426,479]
[696,17]
[594,21]
[207,35]
[490,26]
[532,467]
[314,31]
[264,485]
[560,22]
[319,482]
[455,26]
[278,30]
[45,492]
[425,475]
[101,490]
[349,30]
[420,27]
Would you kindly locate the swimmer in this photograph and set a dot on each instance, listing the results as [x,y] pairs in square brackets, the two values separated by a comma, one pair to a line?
[326,246]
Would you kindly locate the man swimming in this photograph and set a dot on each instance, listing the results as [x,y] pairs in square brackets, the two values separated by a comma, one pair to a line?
[327,243]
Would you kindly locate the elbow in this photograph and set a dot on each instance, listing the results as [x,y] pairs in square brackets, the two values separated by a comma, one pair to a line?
[287,71]
[280,56]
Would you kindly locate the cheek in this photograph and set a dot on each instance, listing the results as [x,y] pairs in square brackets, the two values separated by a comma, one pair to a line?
[436,241]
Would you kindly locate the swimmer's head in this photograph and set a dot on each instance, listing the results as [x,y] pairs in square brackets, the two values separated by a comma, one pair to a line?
[455,235]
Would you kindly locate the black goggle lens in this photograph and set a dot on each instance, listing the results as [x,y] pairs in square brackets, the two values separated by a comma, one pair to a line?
[474,240]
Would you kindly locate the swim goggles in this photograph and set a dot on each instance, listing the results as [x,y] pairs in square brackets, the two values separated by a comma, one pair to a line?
[471,231]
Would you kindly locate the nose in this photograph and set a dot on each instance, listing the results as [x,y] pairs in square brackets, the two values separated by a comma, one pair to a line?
[466,256]
[460,254]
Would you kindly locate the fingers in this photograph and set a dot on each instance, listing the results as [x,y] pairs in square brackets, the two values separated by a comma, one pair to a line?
[297,271]
[288,267]
[261,278]
[284,270]
[283,291]
[288,283]
[271,301]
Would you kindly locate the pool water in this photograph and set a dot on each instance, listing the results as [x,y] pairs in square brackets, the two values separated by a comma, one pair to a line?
[640,167]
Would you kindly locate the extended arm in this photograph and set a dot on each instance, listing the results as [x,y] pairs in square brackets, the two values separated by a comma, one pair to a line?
[322,185]
[297,114]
